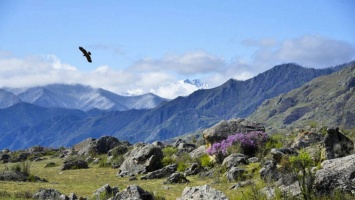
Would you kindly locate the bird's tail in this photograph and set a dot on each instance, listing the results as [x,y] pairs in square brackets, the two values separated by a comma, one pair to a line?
[89,53]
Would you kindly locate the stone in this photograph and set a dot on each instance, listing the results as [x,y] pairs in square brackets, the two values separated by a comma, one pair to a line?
[234,160]
[253,160]
[306,139]
[143,158]
[133,192]
[158,144]
[338,173]
[224,128]
[74,164]
[277,154]
[185,147]
[269,171]
[193,170]
[72,196]
[203,192]
[176,177]
[293,189]
[45,194]
[337,144]
[242,184]
[234,174]
[197,153]
[105,192]
[160,173]
[51,164]
[84,148]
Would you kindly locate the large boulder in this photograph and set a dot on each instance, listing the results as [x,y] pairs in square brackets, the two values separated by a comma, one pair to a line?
[197,153]
[19,176]
[74,164]
[234,160]
[133,192]
[105,192]
[102,145]
[161,173]
[193,169]
[45,194]
[224,128]
[234,174]
[306,139]
[337,144]
[202,193]
[336,173]
[143,158]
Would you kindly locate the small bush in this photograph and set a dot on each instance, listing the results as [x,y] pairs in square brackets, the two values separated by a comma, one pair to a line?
[4,194]
[167,161]
[23,195]
[205,161]
[169,151]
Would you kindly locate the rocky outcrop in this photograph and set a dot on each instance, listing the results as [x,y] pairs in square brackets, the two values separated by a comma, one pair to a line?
[336,173]
[337,144]
[306,139]
[224,128]
[269,171]
[161,173]
[201,193]
[45,194]
[19,176]
[234,174]
[74,164]
[102,145]
[234,160]
[133,192]
[143,158]
[105,192]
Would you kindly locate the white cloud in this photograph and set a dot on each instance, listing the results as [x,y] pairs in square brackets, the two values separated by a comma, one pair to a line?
[161,76]
[197,62]
[310,51]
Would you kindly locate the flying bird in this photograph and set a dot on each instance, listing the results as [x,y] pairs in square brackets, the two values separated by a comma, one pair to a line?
[86,54]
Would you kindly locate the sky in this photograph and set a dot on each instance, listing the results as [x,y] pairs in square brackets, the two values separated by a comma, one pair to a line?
[149,46]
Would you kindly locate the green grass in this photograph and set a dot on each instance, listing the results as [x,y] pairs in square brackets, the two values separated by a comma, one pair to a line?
[85,182]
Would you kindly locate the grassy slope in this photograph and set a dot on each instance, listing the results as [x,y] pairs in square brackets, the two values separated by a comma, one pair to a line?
[85,181]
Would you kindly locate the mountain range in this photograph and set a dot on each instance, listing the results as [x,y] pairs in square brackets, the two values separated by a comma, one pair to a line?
[324,101]
[77,97]
[27,124]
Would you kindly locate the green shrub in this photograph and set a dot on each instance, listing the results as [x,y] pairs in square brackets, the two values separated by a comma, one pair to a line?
[167,161]
[169,151]
[206,161]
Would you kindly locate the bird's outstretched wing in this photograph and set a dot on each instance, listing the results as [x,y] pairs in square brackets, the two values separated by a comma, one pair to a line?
[86,54]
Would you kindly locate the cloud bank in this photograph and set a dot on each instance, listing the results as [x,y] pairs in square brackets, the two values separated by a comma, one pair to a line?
[161,75]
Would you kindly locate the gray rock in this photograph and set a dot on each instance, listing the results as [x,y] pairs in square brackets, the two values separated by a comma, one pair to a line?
[13,176]
[293,189]
[72,196]
[336,174]
[106,191]
[177,142]
[253,160]
[85,147]
[306,139]
[234,160]
[224,128]
[204,192]
[193,170]
[133,192]
[197,153]
[337,144]
[186,147]
[158,144]
[74,164]
[45,194]
[160,173]
[242,184]
[234,174]
[176,177]
[269,171]
[269,192]
[277,154]
[143,158]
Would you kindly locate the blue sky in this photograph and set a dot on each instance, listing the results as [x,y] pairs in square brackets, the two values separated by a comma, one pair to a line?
[147,46]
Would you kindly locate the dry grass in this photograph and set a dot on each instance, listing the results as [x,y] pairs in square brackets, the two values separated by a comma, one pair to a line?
[84,182]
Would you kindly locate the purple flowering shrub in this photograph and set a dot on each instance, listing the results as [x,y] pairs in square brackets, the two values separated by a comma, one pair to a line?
[249,143]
